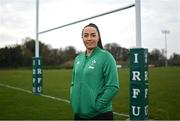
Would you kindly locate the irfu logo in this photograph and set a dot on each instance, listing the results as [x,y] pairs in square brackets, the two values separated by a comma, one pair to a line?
[138,84]
[37,76]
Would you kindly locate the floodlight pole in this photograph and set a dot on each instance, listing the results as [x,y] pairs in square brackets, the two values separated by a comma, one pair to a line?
[165,32]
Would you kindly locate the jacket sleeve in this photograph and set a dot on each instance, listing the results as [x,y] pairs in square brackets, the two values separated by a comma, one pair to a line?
[111,83]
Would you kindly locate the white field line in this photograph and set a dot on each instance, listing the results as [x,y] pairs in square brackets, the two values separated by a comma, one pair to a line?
[51,97]
[27,91]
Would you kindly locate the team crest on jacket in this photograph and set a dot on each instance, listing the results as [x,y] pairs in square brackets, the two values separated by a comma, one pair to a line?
[78,62]
[91,66]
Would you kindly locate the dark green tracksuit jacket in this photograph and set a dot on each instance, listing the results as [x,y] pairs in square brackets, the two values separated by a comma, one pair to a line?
[94,83]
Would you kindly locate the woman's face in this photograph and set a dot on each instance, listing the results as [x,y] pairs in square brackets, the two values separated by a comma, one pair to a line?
[90,37]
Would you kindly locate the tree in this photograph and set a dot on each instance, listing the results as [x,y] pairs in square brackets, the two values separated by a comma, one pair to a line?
[11,56]
[174,60]
[69,53]
[156,58]
[120,54]
[21,55]
[114,49]
[28,50]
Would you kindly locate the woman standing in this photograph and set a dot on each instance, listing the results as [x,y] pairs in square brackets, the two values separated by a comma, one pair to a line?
[94,80]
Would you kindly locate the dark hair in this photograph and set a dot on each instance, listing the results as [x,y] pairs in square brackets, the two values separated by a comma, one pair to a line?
[99,44]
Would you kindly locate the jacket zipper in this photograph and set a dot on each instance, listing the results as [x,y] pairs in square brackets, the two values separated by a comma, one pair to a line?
[84,64]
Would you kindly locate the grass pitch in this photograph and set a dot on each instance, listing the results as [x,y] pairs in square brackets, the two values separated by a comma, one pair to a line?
[164,96]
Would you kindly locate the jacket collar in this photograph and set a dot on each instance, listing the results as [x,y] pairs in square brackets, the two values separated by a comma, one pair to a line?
[93,52]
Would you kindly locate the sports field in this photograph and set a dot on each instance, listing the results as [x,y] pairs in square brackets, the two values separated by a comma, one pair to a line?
[17,101]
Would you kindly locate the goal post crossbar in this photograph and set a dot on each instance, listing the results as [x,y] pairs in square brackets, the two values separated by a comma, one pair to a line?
[85,19]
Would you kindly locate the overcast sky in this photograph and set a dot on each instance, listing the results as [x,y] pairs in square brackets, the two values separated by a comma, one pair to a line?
[17,21]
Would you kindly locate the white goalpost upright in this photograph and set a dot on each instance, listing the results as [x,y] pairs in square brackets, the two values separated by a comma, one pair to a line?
[138,64]
[138,23]
[138,74]
[37,30]
[37,79]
